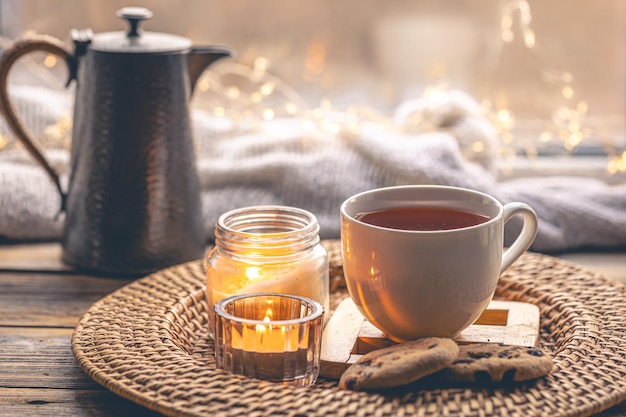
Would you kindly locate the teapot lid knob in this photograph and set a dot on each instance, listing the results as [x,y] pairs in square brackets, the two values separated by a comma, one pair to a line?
[134,15]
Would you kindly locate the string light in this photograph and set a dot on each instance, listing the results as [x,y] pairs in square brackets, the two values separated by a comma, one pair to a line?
[478,146]
[203,85]
[568,92]
[248,95]
[545,137]
[58,134]
[50,60]
[569,123]
[266,89]
[233,93]
[507,21]
[617,164]
[268,114]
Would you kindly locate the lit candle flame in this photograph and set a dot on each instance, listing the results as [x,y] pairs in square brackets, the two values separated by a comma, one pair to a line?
[260,328]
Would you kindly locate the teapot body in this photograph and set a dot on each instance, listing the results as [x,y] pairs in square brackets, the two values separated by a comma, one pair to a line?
[132,205]
[133,202]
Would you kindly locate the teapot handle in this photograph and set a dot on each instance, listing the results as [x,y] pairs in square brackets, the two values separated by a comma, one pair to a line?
[22,47]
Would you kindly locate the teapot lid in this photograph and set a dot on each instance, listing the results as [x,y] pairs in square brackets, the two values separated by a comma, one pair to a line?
[136,40]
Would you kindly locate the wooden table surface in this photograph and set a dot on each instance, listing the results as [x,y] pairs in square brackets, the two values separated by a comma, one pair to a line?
[41,299]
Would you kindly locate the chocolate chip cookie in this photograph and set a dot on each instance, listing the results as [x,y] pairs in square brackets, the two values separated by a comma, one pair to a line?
[486,362]
[399,364]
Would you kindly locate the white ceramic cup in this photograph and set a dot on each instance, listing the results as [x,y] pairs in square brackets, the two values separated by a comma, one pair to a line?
[413,284]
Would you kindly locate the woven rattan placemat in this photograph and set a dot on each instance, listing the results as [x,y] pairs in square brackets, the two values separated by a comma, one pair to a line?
[148,342]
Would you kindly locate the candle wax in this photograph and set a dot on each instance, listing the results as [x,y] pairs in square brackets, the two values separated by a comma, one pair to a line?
[233,278]
[226,277]
[268,338]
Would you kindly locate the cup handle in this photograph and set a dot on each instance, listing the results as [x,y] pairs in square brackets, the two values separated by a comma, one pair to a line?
[526,236]
[18,49]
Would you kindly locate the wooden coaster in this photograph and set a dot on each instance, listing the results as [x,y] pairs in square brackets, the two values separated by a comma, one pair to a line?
[348,335]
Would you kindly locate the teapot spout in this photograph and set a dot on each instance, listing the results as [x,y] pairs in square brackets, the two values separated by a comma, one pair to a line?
[201,57]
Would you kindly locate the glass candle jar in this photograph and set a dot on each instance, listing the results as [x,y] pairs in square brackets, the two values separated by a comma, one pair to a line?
[266,249]
[269,336]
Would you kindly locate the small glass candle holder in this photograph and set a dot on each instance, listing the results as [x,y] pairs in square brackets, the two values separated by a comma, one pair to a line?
[275,337]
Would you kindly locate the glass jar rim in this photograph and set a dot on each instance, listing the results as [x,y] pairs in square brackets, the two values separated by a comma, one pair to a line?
[269,232]
[316,309]
[238,220]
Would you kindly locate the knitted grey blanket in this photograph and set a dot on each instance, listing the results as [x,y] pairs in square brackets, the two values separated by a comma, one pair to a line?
[282,162]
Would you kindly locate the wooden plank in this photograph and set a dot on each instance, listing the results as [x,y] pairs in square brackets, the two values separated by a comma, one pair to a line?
[47,299]
[39,376]
[39,358]
[339,337]
[24,402]
[37,257]
[507,322]
[32,257]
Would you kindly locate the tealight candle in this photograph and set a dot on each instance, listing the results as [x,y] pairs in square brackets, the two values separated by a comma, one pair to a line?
[275,337]
[266,249]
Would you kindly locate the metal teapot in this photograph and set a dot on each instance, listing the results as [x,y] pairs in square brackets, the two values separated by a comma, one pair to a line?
[132,205]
